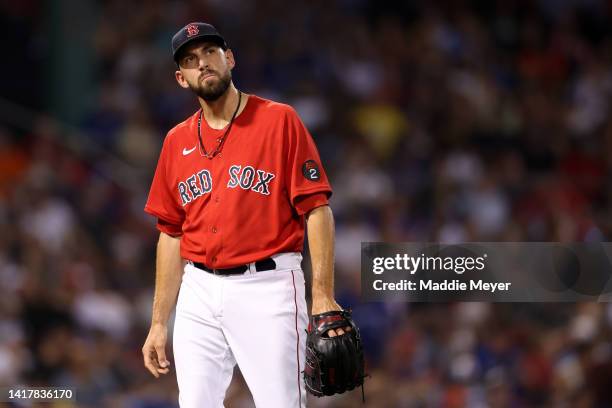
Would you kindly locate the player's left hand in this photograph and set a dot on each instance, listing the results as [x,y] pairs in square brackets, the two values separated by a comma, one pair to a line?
[325,304]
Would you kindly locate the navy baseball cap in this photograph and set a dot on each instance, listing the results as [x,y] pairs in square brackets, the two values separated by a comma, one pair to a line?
[196,31]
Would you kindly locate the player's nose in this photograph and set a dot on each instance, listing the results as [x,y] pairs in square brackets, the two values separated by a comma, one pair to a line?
[203,63]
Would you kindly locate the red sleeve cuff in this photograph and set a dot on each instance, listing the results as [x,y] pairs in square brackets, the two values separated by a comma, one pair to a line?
[307,203]
[171,229]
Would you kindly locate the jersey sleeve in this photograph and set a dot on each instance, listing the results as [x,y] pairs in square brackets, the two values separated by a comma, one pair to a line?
[304,204]
[306,180]
[163,201]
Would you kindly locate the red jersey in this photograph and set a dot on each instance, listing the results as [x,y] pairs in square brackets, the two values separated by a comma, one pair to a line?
[246,203]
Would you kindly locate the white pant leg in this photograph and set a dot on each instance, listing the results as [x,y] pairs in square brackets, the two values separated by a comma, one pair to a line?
[204,362]
[264,321]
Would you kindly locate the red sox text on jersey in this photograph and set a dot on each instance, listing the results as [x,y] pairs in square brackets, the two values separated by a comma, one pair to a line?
[246,178]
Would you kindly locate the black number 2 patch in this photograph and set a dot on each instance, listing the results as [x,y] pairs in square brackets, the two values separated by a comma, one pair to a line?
[310,170]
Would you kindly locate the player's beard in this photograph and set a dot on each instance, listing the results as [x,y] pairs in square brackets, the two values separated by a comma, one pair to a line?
[212,92]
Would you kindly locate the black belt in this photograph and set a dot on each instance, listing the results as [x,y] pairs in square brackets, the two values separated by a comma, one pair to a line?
[263,265]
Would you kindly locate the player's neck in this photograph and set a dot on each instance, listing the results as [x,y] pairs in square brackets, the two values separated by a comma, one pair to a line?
[218,113]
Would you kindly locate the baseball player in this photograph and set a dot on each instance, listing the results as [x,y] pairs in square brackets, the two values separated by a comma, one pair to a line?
[235,186]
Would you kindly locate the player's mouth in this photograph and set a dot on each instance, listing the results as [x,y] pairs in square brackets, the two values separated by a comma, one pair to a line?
[207,75]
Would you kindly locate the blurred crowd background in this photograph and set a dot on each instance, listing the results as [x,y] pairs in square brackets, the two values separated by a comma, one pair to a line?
[436,121]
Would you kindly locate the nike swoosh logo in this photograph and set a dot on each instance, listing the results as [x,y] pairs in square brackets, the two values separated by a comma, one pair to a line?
[186,152]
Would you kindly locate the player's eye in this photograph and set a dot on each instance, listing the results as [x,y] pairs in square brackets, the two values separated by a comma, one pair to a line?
[188,61]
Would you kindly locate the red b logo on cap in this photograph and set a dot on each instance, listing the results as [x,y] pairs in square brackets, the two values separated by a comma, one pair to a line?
[192,30]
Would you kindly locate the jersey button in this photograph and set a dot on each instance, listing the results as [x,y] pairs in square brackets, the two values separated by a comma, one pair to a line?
[217,199]
[214,230]
[214,259]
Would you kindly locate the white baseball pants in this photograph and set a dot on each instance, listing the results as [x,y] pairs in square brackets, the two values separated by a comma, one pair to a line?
[257,320]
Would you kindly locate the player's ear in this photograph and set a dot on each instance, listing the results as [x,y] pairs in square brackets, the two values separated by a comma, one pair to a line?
[229,55]
[181,79]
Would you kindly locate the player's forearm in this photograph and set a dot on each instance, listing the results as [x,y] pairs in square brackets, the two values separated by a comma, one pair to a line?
[169,271]
[320,224]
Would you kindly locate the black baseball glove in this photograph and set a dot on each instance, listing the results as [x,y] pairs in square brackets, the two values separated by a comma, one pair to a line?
[333,364]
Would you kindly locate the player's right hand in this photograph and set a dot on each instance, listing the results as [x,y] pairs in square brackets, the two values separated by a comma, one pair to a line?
[154,350]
